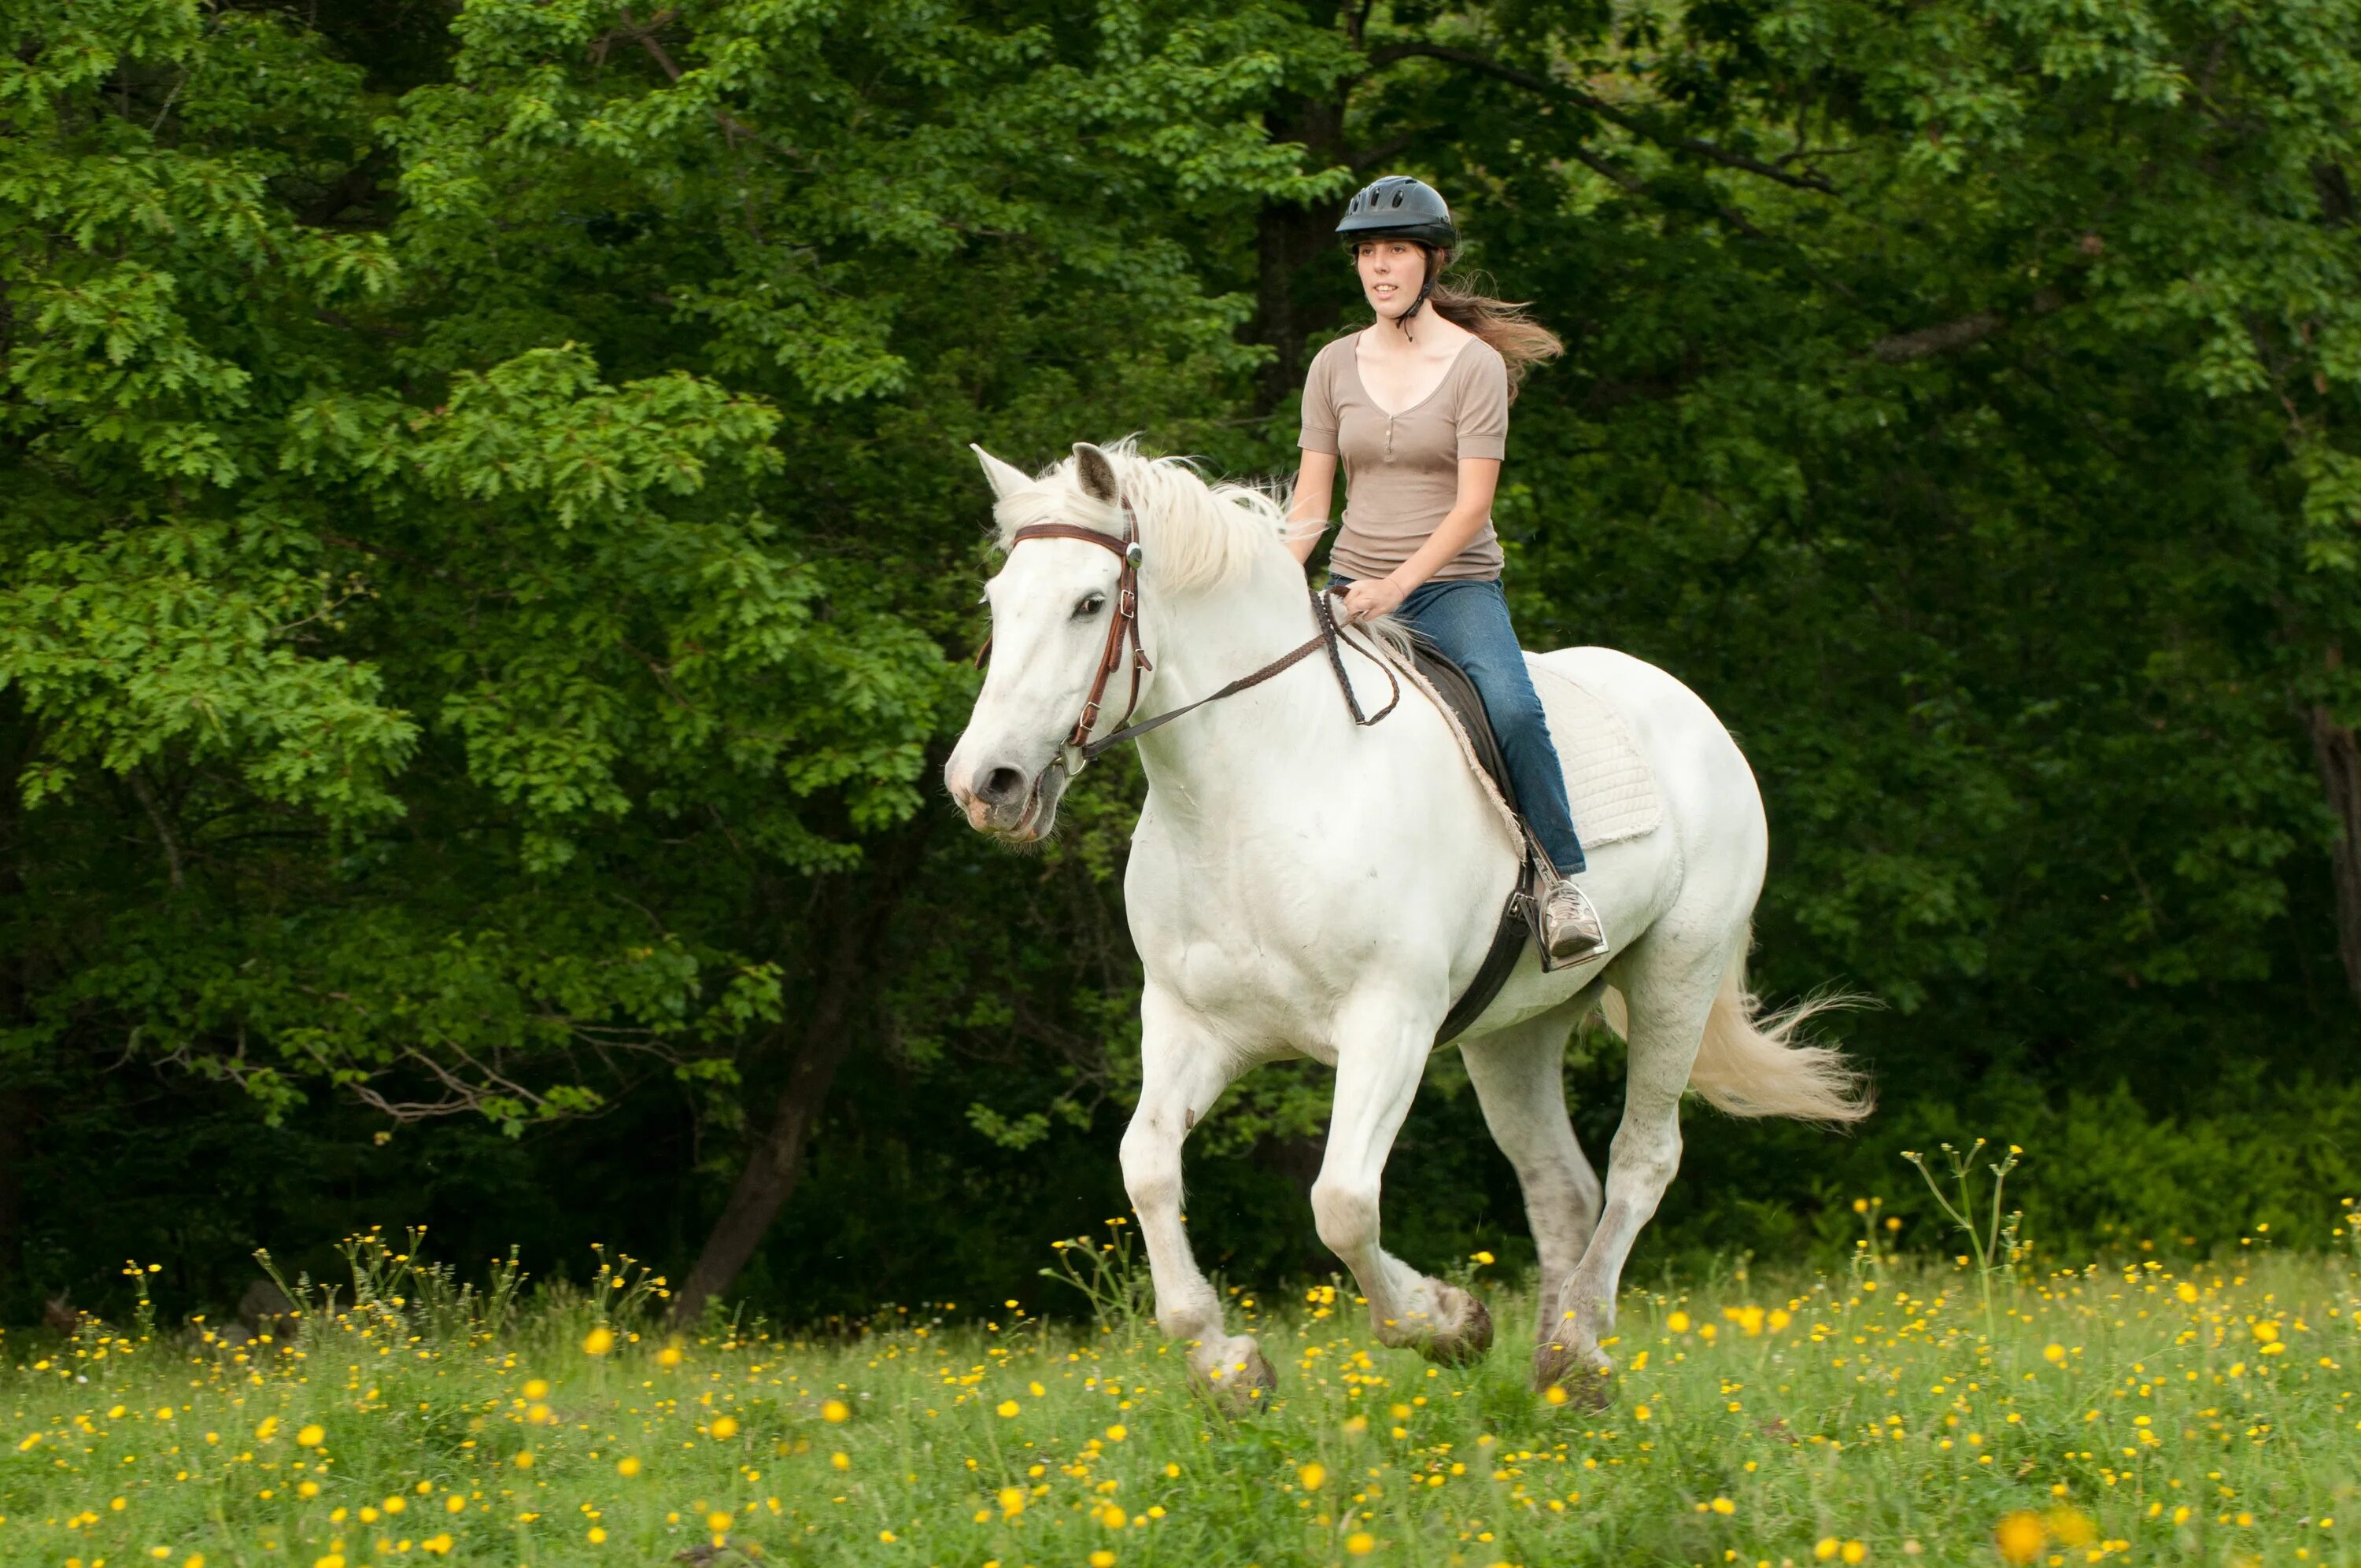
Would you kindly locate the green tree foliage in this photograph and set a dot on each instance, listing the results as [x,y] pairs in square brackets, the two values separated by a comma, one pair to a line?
[488,562]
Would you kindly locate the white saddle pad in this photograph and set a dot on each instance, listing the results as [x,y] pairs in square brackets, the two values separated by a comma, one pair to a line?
[1608,783]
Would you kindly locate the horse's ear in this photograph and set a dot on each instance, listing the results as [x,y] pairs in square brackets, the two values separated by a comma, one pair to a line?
[1006,478]
[1095,470]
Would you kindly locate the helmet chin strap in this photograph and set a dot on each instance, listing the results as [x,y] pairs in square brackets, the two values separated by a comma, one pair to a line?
[1403,320]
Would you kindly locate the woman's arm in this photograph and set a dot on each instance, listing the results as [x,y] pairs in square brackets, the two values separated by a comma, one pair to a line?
[1478,479]
[1307,511]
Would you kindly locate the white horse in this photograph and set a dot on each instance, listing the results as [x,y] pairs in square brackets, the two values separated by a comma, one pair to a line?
[1301,885]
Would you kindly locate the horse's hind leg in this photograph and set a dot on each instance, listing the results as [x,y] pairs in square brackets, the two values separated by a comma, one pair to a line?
[1519,1077]
[1184,1067]
[1670,988]
[1382,1051]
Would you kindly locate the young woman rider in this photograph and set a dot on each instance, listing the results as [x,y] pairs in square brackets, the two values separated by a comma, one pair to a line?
[1416,408]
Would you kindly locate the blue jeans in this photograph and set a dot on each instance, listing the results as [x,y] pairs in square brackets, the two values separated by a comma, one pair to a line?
[1469,621]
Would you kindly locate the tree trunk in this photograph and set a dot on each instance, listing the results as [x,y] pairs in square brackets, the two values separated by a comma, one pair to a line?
[1289,238]
[2339,756]
[15,1150]
[859,916]
[17,1108]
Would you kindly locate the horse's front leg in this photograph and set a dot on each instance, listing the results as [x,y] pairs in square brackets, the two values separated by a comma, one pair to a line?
[1382,1050]
[1183,1068]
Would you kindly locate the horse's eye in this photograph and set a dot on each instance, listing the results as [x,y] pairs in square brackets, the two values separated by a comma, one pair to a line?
[1088,605]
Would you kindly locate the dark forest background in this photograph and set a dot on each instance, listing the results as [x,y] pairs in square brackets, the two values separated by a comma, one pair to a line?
[488,558]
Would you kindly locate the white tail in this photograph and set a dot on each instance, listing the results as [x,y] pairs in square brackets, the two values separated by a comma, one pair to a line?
[1749,1065]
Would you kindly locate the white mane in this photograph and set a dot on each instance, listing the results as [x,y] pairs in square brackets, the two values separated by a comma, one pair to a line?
[1193,533]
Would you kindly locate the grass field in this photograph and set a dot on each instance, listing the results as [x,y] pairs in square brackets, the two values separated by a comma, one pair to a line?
[2142,1412]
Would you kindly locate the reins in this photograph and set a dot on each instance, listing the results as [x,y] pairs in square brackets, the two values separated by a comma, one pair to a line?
[1124,628]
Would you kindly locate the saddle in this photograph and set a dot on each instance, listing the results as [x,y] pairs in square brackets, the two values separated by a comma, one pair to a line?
[1519,916]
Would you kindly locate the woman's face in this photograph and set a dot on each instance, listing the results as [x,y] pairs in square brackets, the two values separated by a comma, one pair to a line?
[1392,272]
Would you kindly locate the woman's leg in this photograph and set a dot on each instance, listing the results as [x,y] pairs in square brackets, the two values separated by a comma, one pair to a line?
[1469,621]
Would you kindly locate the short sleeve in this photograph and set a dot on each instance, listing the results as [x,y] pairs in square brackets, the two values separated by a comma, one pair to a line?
[1484,406]
[1320,405]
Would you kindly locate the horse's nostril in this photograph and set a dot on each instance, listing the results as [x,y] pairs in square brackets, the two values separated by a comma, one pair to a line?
[1000,787]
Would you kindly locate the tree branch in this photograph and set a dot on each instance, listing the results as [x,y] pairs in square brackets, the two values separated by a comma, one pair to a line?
[1902,347]
[1638,125]
[387,553]
[1928,341]
[644,35]
[1622,179]
[1382,153]
[164,834]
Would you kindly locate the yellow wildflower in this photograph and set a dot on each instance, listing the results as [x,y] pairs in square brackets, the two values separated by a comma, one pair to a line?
[2020,1538]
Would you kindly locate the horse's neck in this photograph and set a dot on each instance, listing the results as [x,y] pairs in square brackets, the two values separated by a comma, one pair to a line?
[1204,642]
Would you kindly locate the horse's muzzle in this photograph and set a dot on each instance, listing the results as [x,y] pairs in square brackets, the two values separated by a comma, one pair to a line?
[1003,802]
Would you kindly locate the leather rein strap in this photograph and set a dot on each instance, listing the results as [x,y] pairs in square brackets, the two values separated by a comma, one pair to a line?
[1124,628]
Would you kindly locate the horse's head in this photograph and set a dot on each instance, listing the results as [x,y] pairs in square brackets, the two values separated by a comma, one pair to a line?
[1050,605]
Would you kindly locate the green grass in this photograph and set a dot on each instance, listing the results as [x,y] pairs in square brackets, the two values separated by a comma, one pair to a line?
[1876,1416]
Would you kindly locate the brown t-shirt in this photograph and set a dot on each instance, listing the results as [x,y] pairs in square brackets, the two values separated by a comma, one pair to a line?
[1402,470]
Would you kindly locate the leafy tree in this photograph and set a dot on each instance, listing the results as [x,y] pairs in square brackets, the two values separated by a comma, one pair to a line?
[488,562]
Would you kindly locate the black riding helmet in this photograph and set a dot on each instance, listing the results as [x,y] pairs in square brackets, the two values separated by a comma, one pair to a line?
[1397,206]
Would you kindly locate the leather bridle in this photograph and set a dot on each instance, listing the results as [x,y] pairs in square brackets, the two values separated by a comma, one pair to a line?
[1124,629]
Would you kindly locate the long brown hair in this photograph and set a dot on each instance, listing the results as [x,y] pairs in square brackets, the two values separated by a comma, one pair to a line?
[1465,301]
[1521,341]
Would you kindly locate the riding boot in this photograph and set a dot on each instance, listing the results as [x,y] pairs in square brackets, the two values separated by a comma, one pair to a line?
[1571,929]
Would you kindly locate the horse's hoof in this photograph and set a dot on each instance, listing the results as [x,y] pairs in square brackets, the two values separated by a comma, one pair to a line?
[1464,1344]
[1237,1380]
[1588,1383]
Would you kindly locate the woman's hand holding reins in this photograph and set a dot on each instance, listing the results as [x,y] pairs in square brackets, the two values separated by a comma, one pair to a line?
[1367,598]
